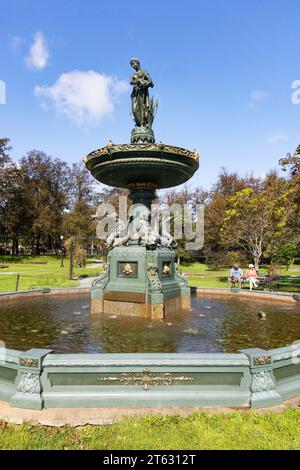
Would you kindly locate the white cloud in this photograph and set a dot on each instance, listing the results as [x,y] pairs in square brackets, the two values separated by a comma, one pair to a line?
[38,54]
[257,97]
[276,138]
[85,97]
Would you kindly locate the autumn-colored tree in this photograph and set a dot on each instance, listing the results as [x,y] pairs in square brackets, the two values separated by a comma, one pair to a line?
[42,198]
[227,184]
[256,218]
[291,164]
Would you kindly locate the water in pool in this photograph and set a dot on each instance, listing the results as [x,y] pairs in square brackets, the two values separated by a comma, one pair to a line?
[214,325]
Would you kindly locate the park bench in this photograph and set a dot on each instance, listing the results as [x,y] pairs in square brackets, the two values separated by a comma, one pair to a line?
[280,283]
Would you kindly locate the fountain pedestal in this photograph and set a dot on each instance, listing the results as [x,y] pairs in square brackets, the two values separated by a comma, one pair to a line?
[140,282]
[141,277]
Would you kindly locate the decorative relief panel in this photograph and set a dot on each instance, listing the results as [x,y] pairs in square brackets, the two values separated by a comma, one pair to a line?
[116,148]
[153,278]
[166,269]
[28,362]
[262,360]
[128,269]
[101,281]
[263,381]
[29,383]
[146,378]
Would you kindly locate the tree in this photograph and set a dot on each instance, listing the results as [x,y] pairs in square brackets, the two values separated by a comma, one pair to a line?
[5,148]
[285,255]
[78,220]
[183,198]
[46,187]
[256,217]
[291,164]
[79,223]
[227,184]
[82,185]
[13,207]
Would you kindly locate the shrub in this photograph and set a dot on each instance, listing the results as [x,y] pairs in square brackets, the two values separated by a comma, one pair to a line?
[285,255]
[217,260]
[274,269]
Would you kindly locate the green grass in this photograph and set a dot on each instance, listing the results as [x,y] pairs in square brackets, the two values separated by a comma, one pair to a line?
[34,276]
[201,276]
[237,430]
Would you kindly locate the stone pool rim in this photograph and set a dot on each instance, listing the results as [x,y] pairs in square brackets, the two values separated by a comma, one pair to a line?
[218,291]
[255,295]
[43,292]
[253,378]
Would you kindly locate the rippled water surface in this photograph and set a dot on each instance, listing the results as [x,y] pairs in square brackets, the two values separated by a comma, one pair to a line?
[214,325]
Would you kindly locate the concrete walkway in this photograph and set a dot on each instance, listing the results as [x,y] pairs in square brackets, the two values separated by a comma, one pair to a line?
[85,282]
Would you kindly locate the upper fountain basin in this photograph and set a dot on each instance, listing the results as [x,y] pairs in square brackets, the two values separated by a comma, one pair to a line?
[161,165]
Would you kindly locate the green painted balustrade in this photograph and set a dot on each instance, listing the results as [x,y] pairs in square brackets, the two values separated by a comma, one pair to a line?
[252,378]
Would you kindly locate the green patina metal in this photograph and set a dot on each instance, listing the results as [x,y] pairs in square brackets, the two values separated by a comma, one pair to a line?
[142,107]
[254,378]
[161,165]
[147,274]
[141,166]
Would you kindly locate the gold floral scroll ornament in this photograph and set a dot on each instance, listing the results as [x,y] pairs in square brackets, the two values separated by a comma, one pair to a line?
[166,269]
[127,269]
[146,378]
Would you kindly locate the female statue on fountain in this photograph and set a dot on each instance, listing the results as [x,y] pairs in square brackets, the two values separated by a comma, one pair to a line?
[142,106]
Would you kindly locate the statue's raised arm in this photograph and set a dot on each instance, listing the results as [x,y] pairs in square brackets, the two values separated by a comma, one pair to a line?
[143,108]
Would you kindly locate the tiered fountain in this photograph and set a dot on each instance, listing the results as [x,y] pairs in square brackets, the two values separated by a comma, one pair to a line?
[141,277]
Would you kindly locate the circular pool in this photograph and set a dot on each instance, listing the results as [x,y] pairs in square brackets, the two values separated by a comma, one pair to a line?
[214,324]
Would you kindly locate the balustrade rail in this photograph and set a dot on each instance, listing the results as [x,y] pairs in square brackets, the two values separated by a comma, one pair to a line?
[253,378]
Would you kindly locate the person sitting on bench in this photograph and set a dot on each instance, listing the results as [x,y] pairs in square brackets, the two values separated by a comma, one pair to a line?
[251,276]
[236,276]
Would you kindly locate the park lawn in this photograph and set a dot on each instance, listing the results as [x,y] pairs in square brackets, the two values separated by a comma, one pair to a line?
[236,430]
[218,281]
[35,276]
[201,276]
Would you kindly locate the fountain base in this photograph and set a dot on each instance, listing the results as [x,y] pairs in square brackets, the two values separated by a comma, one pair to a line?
[140,282]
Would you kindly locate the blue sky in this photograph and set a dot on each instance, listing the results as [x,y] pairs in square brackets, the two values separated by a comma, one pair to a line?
[223,73]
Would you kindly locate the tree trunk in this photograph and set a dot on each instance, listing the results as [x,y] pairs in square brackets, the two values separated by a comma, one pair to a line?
[71,265]
[256,262]
[257,252]
[50,245]
[15,247]
[38,245]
